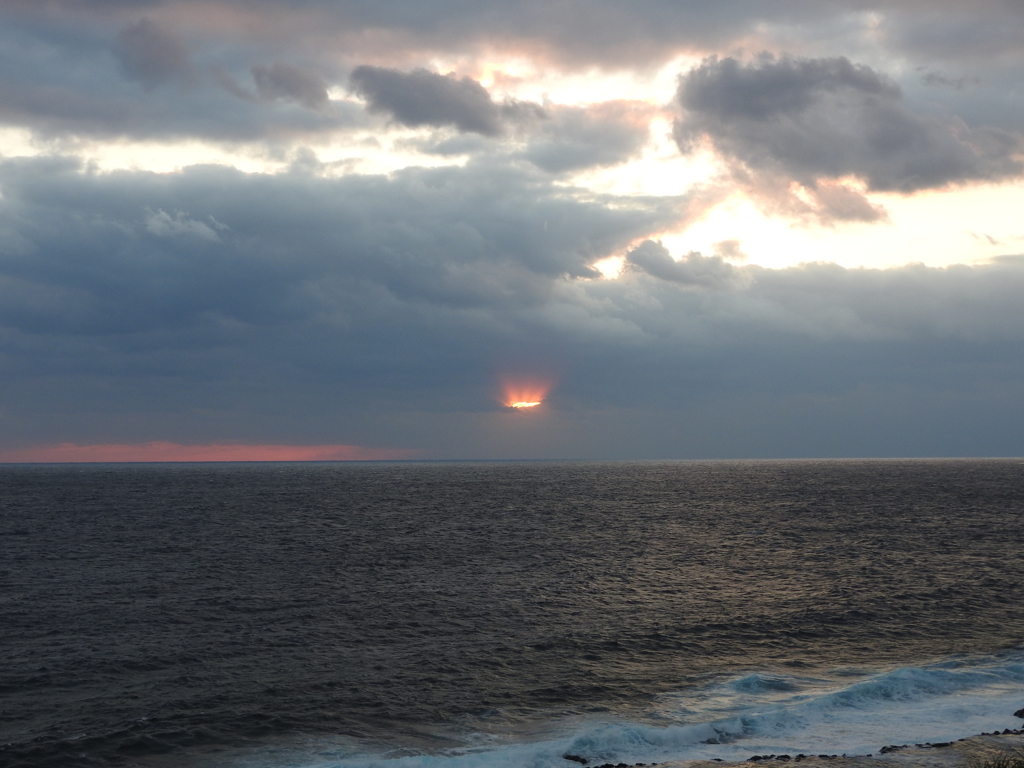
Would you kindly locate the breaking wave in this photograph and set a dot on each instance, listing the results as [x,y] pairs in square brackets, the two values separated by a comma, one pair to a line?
[845,712]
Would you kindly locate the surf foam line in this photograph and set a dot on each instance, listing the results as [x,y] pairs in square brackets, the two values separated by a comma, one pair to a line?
[849,711]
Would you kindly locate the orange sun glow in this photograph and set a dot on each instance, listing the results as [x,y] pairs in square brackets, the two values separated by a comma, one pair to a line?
[525,395]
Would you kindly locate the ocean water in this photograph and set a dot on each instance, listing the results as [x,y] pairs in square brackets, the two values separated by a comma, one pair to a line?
[429,615]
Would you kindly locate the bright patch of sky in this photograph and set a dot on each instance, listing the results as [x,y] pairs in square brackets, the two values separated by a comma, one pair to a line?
[939,227]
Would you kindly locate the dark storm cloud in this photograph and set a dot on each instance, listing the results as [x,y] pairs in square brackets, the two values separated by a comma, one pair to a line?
[65,62]
[603,32]
[473,237]
[949,31]
[149,251]
[583,32]
[180,283]
[422,97]
[68,80]
[282,80]
[209,300]
[811,119]
[153,55]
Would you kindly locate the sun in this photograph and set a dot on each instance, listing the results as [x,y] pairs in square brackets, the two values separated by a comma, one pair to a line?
[524,394]
[524,404]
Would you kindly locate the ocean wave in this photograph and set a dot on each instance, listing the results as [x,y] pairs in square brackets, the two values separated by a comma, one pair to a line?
[757,683]
[753,713]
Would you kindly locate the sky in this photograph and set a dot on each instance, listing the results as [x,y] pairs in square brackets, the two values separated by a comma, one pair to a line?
[361,229]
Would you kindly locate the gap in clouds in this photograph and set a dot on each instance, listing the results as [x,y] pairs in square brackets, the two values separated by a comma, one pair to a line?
[161,451]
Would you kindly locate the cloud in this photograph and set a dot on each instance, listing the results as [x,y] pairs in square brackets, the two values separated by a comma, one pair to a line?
[574,138]
[730,249]
[137,252]
[817,122]
[178,247]
[557,139]
[61,81]
[551,30]
[372,310]
[421,97]
[613,35]
[152,55]
[959,83]
[693,269]
[987,32]
[161,223]
[282,80]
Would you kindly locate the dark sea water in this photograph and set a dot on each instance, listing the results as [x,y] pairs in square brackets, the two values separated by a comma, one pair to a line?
[504,614]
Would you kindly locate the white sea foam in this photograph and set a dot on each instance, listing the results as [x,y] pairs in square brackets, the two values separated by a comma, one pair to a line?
[846,712]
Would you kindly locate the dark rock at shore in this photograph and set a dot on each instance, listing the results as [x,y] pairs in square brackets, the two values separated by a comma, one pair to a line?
[800,757]
[783,758]
[1019,712]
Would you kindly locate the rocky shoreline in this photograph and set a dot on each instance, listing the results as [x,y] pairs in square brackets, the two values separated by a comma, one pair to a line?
[962,753]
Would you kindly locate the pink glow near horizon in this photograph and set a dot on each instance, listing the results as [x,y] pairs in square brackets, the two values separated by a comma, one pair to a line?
[164,451]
